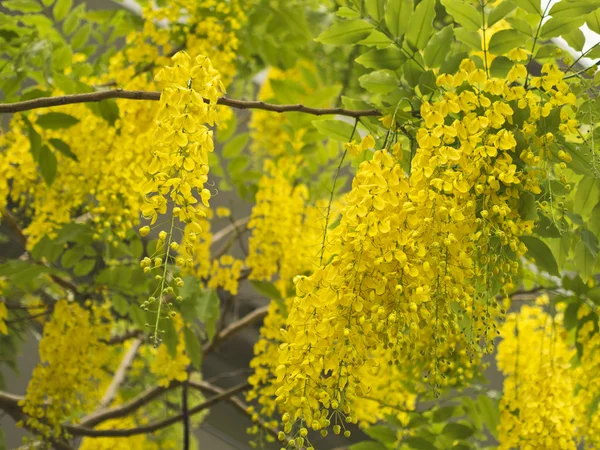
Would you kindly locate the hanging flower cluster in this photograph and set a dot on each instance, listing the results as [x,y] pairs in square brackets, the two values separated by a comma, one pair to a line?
[418,259]
[103,185]
[586,382]
[536,410]
[72,355]
[179,166]
[286,231]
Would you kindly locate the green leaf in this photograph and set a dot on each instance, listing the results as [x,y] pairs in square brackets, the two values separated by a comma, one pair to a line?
[575,39]
[347,32]
[387,58]
[464,14]
[267,289]
[593,21]
[376,8]
[420,26]
[584,260]
[209,311]
[520,25]
[35,142]
[541,254]
[397,16]
[71,257]
[24,6]
[587,195]
[489,413]
[572,8]
[500,67]
[438,47]
[505,40]
[347,13]
[557,26]
[368,445]
[237,165]
[419,443]
[594,222]
[62,57]
[84,267]
[570,318]
[379,82]
[381,433]
[109,111]
[531,6]
[56,120]
[235,145]
[72,21]
[590,241]
[169,336]
[226,129]
[500,12]
[61,9]
[471,39]
[193,347]
[457,430]
[63,148]
[81,37]
[334,129]
[48,164]
[443,414]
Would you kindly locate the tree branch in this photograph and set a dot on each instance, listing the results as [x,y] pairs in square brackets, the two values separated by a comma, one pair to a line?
[78,430]
[10,404]
[126,408]
[236,326]
[46,102]
[120,374]
[235,401]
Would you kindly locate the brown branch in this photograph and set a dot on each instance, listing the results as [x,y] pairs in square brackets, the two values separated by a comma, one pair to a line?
[46,102]
[236,326]
[78,430]
[235,401]
[229,229]
[126,408]
[120,374]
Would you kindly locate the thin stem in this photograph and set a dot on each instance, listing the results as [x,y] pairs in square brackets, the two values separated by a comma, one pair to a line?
[337,173]
[583,55]
[47,102]
[535,39]
[162,281]
[483,29]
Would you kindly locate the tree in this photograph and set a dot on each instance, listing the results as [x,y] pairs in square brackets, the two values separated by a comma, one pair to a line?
[472,218]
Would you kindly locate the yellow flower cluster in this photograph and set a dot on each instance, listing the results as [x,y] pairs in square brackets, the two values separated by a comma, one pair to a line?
[167,367]
[536,410]
[286,231]
[3,316]
[138,442]
[273,135]
[587,385]
[179,166]
[225,273]
[415,255]
[104,184]
[72,355]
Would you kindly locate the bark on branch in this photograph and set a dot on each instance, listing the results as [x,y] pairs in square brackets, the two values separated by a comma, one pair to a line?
[46,102]
[78,430]
[236,326]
